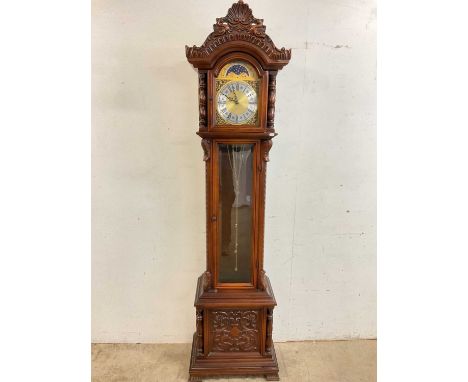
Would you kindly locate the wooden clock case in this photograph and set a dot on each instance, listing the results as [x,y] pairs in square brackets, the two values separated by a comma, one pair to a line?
[234,321]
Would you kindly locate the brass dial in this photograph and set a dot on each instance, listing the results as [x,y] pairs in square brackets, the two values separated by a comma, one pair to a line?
[237,102]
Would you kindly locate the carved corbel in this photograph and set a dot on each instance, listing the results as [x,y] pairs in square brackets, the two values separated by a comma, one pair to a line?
[206,145]
[206,280]
[261,281]
[266,150]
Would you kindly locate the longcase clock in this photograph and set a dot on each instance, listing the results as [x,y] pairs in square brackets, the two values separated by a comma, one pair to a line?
[237,67]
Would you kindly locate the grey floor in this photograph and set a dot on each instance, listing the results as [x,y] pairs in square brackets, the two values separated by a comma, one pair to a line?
[314,361]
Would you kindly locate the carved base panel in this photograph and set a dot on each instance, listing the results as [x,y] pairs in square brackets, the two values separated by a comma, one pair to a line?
[236,363]
[234,332]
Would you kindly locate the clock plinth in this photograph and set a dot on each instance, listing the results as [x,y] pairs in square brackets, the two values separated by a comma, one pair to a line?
[234,301]
[233,335]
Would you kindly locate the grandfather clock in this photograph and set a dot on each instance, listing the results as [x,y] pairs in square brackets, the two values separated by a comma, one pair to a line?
[237,66]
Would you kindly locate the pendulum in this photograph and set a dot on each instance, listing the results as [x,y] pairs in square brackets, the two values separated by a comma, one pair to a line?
[237,161]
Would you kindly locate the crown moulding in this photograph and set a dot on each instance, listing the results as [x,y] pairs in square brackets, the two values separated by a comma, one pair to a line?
[239,29]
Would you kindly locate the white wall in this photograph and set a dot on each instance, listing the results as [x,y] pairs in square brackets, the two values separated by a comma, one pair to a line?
[148,175]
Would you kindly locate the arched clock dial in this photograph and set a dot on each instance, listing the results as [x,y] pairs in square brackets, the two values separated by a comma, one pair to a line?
[237,102]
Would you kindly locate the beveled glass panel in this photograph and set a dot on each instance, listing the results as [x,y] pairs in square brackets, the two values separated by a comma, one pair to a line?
[235,212]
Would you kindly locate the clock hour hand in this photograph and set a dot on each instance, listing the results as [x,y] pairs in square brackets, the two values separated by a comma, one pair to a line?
[231,99]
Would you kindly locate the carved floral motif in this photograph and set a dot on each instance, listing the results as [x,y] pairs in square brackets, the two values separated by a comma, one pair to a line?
[235,330]
[238,24]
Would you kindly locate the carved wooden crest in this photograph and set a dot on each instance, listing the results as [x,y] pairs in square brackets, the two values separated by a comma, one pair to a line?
[238,28]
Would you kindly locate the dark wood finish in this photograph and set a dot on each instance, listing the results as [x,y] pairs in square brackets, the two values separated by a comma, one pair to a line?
[234,321]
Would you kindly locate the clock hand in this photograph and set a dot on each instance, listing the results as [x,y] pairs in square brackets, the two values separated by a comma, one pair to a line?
[231,99]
